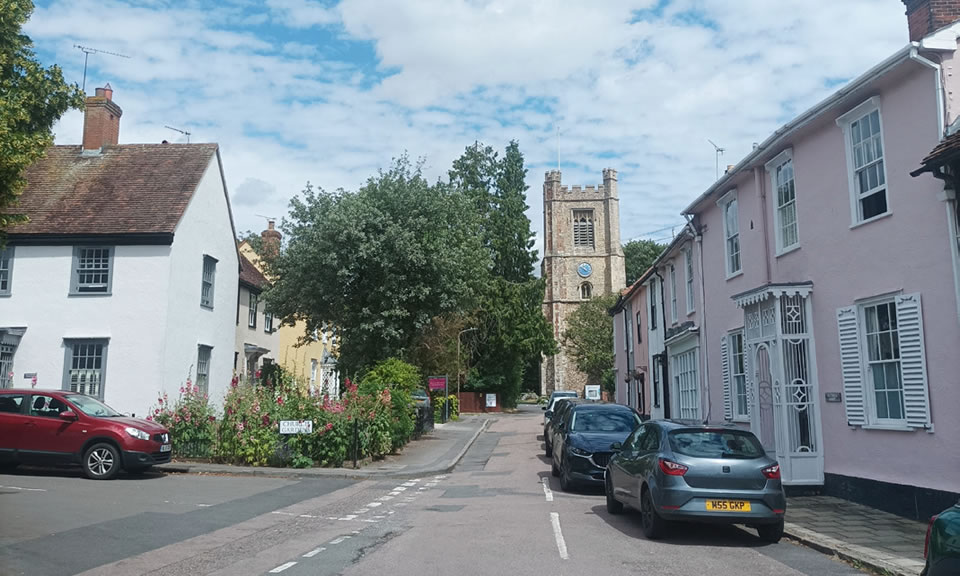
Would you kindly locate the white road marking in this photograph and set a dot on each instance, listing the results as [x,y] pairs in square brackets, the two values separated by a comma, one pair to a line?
[561,544]
[25,489]
[348,517]
[283,567]
[409,484]
[547,491]
[417,479]
[307,516]
[374,504]
[395,493]
[313,552]
[385,498]
[340,539]
[391,511]
[399,489]
[441,477]
[356,531]
[204,505]
[283,513]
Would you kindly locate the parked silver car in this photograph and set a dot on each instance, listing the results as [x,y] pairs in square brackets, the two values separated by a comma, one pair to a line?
[554,396]
[677,471]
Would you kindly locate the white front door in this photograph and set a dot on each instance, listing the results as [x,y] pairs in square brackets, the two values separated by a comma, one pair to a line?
[784,413]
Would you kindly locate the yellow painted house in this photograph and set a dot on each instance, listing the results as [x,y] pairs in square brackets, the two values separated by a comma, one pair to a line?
[313,363]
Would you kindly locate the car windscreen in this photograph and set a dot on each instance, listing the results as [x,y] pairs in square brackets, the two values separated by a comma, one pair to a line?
[611,421]
[715,444]
[92,407]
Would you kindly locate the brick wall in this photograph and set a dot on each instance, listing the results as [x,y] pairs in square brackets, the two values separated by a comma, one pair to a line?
[926,16]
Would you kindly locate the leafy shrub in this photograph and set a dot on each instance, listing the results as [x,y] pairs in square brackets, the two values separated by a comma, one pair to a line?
[438,402]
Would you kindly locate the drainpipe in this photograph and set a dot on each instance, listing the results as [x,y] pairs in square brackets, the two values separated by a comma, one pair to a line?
[758,183]
[703,317]
[938,84]
[664,370]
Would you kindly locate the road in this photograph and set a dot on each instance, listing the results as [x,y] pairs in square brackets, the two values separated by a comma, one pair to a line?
[499,512]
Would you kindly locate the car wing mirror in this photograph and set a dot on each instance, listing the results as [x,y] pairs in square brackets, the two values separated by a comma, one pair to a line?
[68,415]
[543,407]
[616,446]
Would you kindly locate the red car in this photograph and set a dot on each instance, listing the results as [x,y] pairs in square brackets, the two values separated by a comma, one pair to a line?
[57,427]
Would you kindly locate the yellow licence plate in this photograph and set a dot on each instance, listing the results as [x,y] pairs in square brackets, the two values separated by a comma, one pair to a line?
[728,505]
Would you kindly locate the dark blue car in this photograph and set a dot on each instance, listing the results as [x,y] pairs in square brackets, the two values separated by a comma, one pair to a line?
[583,438]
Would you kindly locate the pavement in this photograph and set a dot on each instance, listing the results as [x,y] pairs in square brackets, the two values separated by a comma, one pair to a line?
[882,542]
[436,452]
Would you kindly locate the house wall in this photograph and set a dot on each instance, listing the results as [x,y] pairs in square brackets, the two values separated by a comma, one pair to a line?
[641,354]
[905,252]
[257,336]
[131,317]
[621,360]
[654,346]
[205,229]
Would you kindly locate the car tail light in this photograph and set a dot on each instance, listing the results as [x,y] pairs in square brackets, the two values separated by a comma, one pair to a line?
[772,472]
[671,468]
[926,541]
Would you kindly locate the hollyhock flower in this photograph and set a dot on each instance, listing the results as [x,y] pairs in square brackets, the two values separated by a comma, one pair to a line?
[156,412]
[160,400]
[266,420]
[176,419]
[212,418]
[280,400]
[329,426]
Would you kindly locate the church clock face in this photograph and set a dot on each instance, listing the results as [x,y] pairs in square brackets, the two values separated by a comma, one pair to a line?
[584,269]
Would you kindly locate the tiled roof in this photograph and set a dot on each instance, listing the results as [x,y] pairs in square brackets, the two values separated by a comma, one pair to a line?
[250,276]
[947,150]
[128,189]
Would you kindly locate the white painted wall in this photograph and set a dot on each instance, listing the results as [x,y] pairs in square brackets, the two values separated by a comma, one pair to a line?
[204,229]
[256,336]
[129,317]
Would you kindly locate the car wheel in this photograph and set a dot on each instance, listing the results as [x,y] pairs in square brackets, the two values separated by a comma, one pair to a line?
[771,532]
[614,506]
[101,462]
[653,525]
[554,471]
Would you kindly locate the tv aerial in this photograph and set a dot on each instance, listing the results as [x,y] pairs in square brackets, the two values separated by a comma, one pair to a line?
[87,51]
[719,151]
[184,132]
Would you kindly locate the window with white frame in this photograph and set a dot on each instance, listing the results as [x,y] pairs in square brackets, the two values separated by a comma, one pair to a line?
[686,385]
[738,377]
[639,327]
[883,360]
[268,322]
[85,366]
[583,228]
[626,331]
[785,212]
[313,373]
[863,133]
[92,270]
[688,261]
[252,312]
[883,363]
[207,281]
[6,270]
[586,291]
[203,368]
[653,304]
[6,365]
[673,293]
[731,233]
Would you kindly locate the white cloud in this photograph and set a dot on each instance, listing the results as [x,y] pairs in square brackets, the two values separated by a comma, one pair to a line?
[638,94]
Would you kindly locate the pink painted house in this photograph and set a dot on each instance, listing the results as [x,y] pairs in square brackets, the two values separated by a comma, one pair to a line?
[631,352]
[828,317]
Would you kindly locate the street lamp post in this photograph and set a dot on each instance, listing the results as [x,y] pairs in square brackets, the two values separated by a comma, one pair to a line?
[462,332]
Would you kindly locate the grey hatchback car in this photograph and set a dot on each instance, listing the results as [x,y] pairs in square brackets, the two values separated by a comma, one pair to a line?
[677,471]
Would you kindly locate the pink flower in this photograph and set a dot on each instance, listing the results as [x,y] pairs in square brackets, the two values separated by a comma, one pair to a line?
[156,411]
[160,400]
[181,389]
[212,418]
[176,418]
[280,400]
[329,426]
[149,418]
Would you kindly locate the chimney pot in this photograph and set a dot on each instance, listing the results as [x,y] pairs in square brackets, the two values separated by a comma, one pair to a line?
[271,240]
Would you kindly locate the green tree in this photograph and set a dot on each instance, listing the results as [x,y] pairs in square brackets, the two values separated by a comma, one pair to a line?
[253,239]
[638,255]
[32,99]
[588,339]
[511,330]
[380,263]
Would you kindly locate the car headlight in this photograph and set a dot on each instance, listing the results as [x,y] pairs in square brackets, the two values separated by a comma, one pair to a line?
[579,452]
[137,433]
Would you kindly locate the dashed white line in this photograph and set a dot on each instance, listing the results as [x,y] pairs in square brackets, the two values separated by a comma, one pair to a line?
[348,517]
[283,567]
[399,489]
[306,516]
[374,504]
[204,505]
[409,484]
[547,491]
[385,498]
[339,540]
[283,513]
[313,552]
[561,544]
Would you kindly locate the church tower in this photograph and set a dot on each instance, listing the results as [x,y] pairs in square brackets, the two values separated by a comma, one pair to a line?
[582,258]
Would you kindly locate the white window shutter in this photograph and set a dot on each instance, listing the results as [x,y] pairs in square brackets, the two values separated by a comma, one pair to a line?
[913,364]
[848,326]
[727,392]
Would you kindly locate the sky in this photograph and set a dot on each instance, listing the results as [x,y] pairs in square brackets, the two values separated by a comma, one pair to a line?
[328,92]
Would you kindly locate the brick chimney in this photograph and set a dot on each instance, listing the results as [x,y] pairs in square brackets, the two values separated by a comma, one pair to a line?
[101,120]
[271,242]
[927,16]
